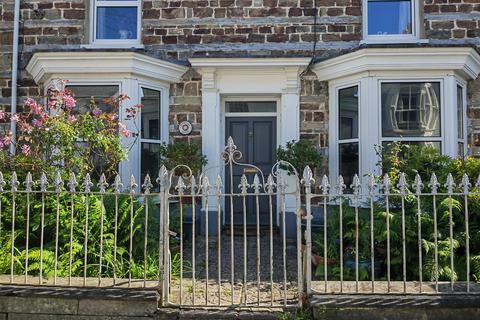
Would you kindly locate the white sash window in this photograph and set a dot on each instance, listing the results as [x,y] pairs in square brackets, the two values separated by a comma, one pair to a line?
[116,23]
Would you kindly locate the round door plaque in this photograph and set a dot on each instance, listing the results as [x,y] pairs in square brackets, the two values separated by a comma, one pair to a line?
[185,127]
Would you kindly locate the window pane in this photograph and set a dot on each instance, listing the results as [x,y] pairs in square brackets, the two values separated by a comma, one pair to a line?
[117,23]
[389,17]
[250,106]
[459,112]
[150,114]
[461,150]
[84,94]
[348,155]
[411,109]
[150,159]
[348,113]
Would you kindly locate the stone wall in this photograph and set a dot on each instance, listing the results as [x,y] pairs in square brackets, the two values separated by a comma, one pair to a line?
[186,105]
[473,111]
[46,25]
[452,20]
[180,29]
[314,112]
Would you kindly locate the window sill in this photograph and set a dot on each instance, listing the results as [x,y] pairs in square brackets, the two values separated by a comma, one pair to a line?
[395,41]
[113,46]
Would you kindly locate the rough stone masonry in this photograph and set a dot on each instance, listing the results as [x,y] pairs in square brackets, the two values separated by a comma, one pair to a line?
[178,29]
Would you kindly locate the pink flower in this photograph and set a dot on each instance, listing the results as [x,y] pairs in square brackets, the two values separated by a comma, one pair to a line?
[30,103]
[123,130]
[52,103]
[37,109]
[7,140]
[126,133]
[96,112]
[2,115]
[37,123]
[69,101]
[16,117]
[26,149]
[72,119]
[25,127]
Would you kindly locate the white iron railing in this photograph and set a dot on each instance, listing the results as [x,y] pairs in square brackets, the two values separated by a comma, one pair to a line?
[384,208]
[137,236]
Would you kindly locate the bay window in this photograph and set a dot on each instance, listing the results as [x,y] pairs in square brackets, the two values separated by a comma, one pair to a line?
[414,96]
[392,110]
[145,80]
[406,110]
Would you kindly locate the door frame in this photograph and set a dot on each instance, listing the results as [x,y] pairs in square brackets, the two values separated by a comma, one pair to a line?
[223,122]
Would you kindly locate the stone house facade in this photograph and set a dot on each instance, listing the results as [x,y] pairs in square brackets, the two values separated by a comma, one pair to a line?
[346,74]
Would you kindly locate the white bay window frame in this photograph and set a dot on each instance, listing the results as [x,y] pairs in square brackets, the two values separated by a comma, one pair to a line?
[114,43]
[370,119]
[369,68]
[463,87]
[136,156]
[131,71]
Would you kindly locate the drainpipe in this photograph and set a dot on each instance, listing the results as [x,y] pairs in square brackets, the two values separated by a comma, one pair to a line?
[13,109]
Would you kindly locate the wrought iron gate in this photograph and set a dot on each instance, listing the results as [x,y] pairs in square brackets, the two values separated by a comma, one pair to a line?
[232,264]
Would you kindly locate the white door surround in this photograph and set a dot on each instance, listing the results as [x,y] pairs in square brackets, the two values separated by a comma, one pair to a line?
[262,77]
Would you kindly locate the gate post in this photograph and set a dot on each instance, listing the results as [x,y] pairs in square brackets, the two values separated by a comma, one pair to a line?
[307,181]
[300,257]
[163,246]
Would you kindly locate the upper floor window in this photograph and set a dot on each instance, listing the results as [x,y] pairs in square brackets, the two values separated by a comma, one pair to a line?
[390,20]
[116,22]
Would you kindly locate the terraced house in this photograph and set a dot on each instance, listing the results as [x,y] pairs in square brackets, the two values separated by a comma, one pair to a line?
[348,75]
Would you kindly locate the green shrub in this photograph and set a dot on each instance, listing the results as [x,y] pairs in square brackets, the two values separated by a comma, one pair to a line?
[177,155]
[300,154]
[411,160]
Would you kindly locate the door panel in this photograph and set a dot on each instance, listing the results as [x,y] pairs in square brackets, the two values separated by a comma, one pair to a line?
[255,137]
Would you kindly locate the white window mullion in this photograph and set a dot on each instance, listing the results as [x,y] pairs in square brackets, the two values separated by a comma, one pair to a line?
[370,124]
[449,131]
[333,135]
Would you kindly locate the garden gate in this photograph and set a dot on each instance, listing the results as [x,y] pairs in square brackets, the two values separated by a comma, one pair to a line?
[259,265]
